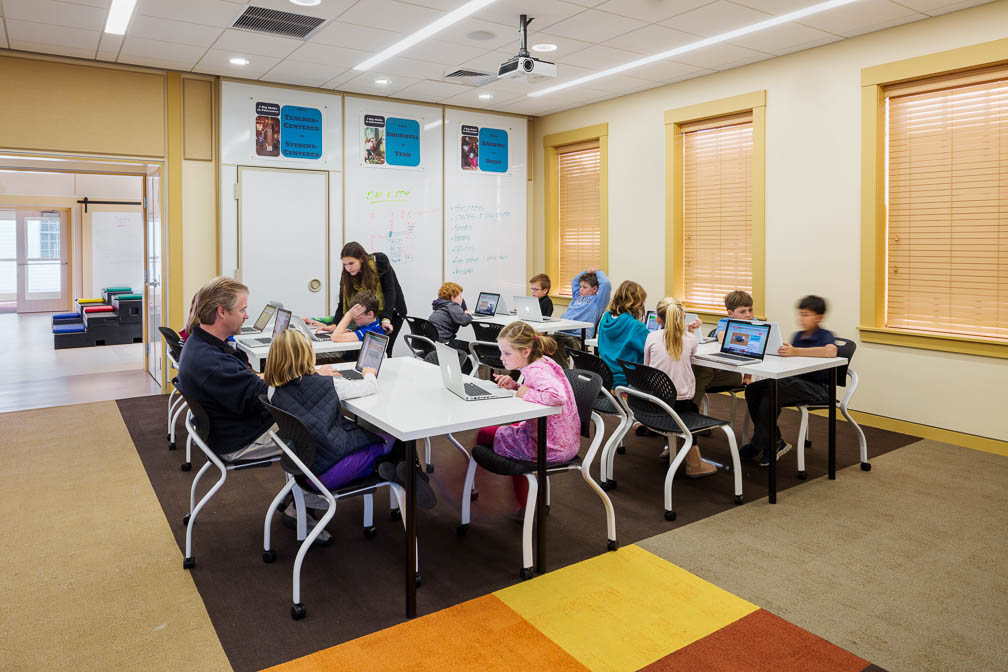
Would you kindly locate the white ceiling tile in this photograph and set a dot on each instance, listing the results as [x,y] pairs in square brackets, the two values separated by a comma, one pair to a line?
[409,67]
[595,26]
[365,83]
[587,3]
[391,15]
[56,13]
[471,98]
[329,9]
[488,62]
[108,47]
[54,49]
[862,17]
[811,45]
[936,7]
[458,33]
[775,7]
[208,12]
[167,30]
[564,46]
[667,71]
[215,62]
[597,57]
[184,56]
[716,18]
[290,71]
[443,53]
[721,56]
[103,4]
[651,11]
[432,91]
[246,42]
[345,76]
[43,33]
[352,36]
[313,52]
[784,37]
[545,13]
[652,39]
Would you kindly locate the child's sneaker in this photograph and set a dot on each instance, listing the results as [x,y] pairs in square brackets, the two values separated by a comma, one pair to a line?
[782,448]
[748,451]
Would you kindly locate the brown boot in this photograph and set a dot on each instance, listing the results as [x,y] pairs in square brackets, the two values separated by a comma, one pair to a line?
[696,467]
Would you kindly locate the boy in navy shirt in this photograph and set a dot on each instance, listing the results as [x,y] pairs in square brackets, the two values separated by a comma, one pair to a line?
[363,313]
[808,388]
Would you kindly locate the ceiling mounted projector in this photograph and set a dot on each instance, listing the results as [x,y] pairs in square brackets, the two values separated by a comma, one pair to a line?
[524,65]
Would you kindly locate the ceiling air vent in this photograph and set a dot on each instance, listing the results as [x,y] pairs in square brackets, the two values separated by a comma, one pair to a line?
[274,22]
[470,77]
[467,74]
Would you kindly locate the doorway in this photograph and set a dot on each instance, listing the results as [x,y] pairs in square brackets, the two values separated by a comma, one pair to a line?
[34,260]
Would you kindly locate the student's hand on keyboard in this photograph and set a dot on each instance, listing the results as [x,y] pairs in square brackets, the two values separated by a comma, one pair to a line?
[328,370]
[786,350]
[311,323]
[505,381]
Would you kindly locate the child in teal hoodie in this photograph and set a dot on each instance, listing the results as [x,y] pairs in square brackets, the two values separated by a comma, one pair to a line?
[621,333]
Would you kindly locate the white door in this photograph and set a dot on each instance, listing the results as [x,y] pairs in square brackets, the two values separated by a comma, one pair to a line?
[152,275]
[8,255]
[43,262]
[283,223]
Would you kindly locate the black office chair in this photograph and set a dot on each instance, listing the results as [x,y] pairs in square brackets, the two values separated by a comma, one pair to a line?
[650,395]
[586,386]
[420,346]
[605,404]
[298,452]
[198,424]
[175,402]
[486,331]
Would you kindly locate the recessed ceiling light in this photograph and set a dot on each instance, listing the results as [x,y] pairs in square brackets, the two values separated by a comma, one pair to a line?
[307,3]
[448,19]
[699,44]
[238,60]
[383,82]
[119,16]
[486,96]
[544,47]
[481,35]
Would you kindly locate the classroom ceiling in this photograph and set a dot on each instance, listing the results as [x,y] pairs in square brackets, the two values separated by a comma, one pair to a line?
[590,35]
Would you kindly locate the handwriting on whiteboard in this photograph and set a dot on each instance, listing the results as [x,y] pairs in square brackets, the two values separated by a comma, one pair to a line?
[473,234]
[388,196]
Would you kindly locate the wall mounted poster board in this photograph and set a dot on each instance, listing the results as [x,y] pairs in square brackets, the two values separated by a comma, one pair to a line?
[393,159]
[485,203]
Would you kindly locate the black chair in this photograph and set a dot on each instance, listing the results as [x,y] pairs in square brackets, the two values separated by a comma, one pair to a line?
[432,358]
[425,329]
[586,386]
[486,331]
[175,402]
[605,404]
[298,452]
[198,424]
[419,345]
[732,390]
[651,396]
[845,375]
[486,353]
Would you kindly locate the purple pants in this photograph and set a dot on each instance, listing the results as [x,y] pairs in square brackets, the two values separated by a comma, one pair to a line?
[357,464]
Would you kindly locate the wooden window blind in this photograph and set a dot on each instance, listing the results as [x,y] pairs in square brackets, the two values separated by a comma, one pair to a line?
[717,210]
[947,205]
[580,230]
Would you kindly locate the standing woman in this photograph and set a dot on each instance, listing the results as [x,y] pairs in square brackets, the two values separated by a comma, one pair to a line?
[374,272]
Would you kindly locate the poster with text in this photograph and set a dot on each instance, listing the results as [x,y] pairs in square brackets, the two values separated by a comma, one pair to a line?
[374,139]
[470,148]
[391,141]
[290,131]
[484,149]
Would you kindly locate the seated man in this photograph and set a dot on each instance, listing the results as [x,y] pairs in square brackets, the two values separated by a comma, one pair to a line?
[590,290]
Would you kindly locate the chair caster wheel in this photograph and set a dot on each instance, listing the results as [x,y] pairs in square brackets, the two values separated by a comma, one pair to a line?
[185,519]
[866,466]
[419,580]
[394,514]
[298,611]
[168,437]
[526,573]
[738,499]
[430,468]
[808,443]
[370,532]
[188,563]
[171,445]
[462,530]
[608,485]
[612,545]
[186,466]
[670,515]
[802,475]
[474,495]
[621,450]
[547,508]
[269,556]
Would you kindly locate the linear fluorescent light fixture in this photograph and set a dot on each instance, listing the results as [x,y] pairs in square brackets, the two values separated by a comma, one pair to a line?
[699,44]
[119,16]
[448,19]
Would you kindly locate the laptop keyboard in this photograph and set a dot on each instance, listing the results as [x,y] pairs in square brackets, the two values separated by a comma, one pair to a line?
[474,390]
[737,358]
[262,341]
[352,374]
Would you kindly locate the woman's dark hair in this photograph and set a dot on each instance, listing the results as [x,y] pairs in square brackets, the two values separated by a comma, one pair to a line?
[368,275]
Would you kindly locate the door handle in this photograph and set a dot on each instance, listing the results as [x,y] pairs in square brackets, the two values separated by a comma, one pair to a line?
[314,285]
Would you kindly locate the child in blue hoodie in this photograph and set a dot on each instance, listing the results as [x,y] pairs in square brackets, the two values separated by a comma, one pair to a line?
[590,291]
[621,333]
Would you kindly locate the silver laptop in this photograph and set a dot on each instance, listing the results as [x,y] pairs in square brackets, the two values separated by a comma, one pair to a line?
[701,338]
[744,343]
[283,318]
[299,324]
[486,305]
[371,355]
[776,339]
[264,317]
[467,387]
[527,308]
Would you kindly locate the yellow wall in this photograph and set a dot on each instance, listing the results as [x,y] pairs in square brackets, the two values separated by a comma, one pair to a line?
[813,205]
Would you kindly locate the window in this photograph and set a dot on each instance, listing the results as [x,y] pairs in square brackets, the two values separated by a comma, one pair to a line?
[946,197]
[576,204]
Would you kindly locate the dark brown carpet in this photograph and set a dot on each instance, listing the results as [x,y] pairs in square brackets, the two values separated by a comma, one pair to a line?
[355,586]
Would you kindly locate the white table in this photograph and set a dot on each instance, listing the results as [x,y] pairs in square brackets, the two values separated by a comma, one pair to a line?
[257,353]
[412,403]
[775,368]
[549,327]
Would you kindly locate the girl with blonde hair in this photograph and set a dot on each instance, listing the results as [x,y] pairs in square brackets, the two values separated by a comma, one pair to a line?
[621,333]
[671,349]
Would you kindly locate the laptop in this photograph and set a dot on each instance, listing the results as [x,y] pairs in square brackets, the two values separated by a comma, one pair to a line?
[467,387]
[651,320]
[283,318]
[776,340]
[299,324]
[698,332]
[744,343]
[371,355]
[527,308]
[486,305]
[264,317]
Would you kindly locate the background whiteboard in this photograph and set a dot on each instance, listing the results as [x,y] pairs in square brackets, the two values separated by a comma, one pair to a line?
[397,210]
[117,251]
[485,213]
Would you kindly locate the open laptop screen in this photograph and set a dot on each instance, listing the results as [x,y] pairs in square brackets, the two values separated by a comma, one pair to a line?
[283,319]
[651,321]
[372,352]
[486,304]
[264,317]
[743,338]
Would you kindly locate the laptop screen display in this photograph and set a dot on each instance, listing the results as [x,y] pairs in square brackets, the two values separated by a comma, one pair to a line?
[742,338]
[651,321]
[283,319]
[264,317]
[372,351]
[486,304]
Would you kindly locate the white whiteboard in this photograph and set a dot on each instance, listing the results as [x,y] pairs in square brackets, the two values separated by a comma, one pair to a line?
[485,212]
[117,251]
[397,209]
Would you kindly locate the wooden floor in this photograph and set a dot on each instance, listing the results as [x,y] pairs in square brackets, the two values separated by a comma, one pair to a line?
[34,375]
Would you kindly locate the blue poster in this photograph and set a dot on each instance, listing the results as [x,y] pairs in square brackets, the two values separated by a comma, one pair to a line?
[493,144]
[300,132]
[402,142]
